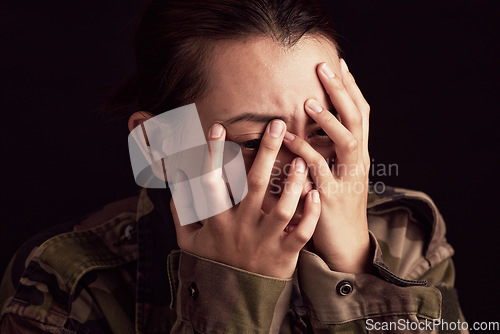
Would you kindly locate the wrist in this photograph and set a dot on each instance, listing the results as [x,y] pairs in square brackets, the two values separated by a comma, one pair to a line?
[356,258]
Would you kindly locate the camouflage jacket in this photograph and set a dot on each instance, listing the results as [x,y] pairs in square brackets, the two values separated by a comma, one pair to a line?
[119,270]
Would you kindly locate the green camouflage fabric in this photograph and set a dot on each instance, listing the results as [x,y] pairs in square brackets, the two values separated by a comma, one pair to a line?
[119,270]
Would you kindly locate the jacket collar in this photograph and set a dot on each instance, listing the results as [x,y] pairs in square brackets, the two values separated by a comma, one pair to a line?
[156,238]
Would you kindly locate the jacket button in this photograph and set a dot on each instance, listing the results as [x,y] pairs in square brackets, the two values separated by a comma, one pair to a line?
[193,290]
[344,288]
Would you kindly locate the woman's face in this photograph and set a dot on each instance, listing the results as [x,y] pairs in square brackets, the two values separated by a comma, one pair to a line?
[254,81]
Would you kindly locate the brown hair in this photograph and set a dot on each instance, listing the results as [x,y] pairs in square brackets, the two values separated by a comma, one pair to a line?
[174,40]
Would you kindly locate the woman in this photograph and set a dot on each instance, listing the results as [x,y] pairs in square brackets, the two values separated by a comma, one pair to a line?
[302,251]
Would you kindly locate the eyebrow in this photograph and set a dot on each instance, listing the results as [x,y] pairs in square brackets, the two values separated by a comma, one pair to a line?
[255,118]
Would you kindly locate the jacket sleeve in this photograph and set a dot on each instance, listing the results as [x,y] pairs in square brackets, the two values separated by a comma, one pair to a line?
[211,297]
[412,288]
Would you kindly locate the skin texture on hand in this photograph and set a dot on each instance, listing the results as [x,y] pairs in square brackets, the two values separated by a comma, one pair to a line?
[341,237]
[245,236]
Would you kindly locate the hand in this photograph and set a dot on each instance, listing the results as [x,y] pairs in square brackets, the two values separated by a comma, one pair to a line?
[245,236]
[341,237]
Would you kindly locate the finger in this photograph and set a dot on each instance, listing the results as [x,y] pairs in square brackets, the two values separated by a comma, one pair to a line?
[181,206]
[349,113]
[260,172]
[212,197]
[216,137]
[360,102]
[318,167]
[346,145]
[284,210]
[353,89]
[299,235]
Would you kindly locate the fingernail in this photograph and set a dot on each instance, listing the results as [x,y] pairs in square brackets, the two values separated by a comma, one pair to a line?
[344,65]
[289,136]
[300,165]
[327,70]
[314,106]
[315,196]
[276,129]
[216,131]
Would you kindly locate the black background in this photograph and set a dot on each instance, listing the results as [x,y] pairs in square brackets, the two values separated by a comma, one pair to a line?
[428,70]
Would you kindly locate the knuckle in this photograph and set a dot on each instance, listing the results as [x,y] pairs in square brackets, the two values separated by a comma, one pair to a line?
[210,180]
[301,236]
[366,107]
[182,244]
[352,145]
[337,84]
[282,214]
[218,227]
[256,183]
[356,118]
[318,160]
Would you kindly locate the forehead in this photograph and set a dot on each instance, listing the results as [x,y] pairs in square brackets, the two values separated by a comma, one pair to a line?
[260,76]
